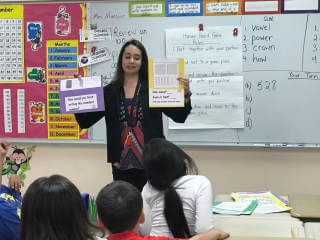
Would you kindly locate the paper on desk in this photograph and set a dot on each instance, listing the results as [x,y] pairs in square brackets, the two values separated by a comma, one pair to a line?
[234,208]
[268,202]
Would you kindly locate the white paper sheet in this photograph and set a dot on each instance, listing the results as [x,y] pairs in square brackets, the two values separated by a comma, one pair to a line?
[211,57]
[217,102]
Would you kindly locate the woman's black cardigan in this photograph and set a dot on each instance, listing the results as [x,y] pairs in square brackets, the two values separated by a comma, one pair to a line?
[152,124]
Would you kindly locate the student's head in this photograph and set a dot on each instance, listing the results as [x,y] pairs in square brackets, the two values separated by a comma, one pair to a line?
[119,206]
[52,208]
[132,59]
[165,162]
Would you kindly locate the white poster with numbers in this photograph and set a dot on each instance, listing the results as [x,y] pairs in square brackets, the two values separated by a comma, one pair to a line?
[11,44]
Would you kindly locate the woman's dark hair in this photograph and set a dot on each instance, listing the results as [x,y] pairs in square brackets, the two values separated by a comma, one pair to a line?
[164,162]
[143,72]
[52,208]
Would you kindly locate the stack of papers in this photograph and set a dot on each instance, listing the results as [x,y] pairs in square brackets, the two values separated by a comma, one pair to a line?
[268,202]
[234,208]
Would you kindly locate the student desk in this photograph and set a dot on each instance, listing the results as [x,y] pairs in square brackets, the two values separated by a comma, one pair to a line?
[307,208]
[312,230]
[259,225]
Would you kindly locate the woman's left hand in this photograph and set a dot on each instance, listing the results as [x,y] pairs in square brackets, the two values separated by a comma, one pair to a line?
[186,86]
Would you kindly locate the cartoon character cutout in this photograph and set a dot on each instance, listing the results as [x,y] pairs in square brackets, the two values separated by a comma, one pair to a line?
[36,74]
[18,161]
[35,35]
[37,112]
[62,22]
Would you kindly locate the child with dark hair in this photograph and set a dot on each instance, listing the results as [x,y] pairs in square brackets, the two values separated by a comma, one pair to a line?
[52,208]
[130,122]
[10,201]
[120,211]
[176,204]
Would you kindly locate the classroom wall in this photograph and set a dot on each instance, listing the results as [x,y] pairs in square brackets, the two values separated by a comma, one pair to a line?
[283,171]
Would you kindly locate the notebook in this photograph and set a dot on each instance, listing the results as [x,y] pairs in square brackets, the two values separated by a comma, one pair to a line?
[305,205]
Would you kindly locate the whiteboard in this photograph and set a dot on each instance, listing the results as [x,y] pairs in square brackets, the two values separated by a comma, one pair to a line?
[281,69]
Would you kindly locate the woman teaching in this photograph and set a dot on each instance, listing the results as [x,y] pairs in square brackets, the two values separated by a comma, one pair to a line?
[130,122]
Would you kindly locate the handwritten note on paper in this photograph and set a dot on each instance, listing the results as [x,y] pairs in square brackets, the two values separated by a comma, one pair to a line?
[164,88]
[211,58]
[221,7]
[184,8]
[148,8]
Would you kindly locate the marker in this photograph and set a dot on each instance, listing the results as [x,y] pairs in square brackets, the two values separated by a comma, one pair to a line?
[278,145]
[259,145]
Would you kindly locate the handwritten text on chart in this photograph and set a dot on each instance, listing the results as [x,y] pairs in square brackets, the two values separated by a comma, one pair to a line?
[217,102]
[120,36]
[304,75]
[213,52]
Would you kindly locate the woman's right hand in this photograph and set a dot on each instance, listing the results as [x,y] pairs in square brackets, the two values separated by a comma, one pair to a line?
[77,75]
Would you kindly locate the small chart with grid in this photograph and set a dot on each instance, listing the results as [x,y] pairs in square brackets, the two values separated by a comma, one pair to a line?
[11,44]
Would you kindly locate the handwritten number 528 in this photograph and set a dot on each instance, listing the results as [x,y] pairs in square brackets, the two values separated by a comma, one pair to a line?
[267,85]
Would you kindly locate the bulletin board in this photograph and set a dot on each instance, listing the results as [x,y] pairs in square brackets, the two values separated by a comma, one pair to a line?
[280,67]
[39,46]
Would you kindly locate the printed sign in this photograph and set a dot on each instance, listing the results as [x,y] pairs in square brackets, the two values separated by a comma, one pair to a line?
[100,55]
[165,90]
[81,95]
[88,35]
